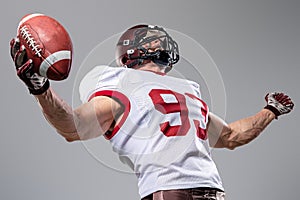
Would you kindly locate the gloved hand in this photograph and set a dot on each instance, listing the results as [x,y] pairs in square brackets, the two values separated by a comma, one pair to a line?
[24,66]
[279,103]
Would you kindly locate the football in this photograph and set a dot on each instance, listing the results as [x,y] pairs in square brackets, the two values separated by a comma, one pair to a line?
[48,44]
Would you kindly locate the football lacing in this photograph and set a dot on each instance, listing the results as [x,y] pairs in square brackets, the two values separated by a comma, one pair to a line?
[30,41]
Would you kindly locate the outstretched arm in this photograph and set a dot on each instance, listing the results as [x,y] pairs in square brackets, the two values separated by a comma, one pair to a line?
[88,121]
[243,131]
[240,132]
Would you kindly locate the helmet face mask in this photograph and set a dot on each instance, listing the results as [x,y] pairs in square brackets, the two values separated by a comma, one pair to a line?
[144,43]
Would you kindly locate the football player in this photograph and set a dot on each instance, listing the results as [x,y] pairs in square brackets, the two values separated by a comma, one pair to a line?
[158,124]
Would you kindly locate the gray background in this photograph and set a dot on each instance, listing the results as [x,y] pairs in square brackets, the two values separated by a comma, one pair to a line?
[256,47]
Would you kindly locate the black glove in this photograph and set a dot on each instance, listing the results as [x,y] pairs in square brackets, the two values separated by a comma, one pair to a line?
[24,66]
[279,103]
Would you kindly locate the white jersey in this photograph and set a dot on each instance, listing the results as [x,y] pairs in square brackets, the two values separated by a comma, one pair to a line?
[162,134]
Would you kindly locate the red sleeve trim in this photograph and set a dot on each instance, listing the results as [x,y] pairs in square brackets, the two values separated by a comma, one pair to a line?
[120,97]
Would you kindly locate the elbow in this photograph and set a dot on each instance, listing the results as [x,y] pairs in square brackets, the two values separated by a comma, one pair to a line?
[72,137]
[69,137]
[231,146]
[227,142]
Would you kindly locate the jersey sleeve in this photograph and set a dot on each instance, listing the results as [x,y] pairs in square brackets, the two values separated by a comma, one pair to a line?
[99,78]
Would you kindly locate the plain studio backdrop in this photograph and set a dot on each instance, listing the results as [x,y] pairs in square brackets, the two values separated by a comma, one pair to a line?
[255,46]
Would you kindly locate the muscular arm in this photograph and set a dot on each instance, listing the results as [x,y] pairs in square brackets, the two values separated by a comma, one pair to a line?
[238,133]
[88,121]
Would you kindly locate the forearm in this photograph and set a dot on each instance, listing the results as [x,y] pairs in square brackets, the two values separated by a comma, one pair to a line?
[58,113]
[245,130]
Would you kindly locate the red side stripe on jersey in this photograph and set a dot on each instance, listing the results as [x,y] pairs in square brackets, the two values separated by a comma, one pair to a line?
[122,99]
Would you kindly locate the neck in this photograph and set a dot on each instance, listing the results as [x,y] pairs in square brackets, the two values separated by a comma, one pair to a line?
[151,66]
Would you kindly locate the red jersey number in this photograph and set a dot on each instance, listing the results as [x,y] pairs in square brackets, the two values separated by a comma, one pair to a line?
[168,101]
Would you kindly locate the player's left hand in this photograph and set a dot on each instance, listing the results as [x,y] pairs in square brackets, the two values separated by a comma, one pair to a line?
[279,103]
[24,66]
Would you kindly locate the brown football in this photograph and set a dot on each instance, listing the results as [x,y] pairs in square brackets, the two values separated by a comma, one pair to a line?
[48,44]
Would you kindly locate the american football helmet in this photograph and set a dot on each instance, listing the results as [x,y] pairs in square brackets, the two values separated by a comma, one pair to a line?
[144,43]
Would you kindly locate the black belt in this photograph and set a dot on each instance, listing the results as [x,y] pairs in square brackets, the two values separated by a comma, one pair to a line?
[204,190]
[196,191]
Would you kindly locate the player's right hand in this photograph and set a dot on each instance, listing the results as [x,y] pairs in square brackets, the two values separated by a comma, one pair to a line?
[24,66]
[279,103]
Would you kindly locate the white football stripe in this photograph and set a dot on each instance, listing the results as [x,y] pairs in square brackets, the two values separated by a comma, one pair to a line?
[28,17]
[53,58]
